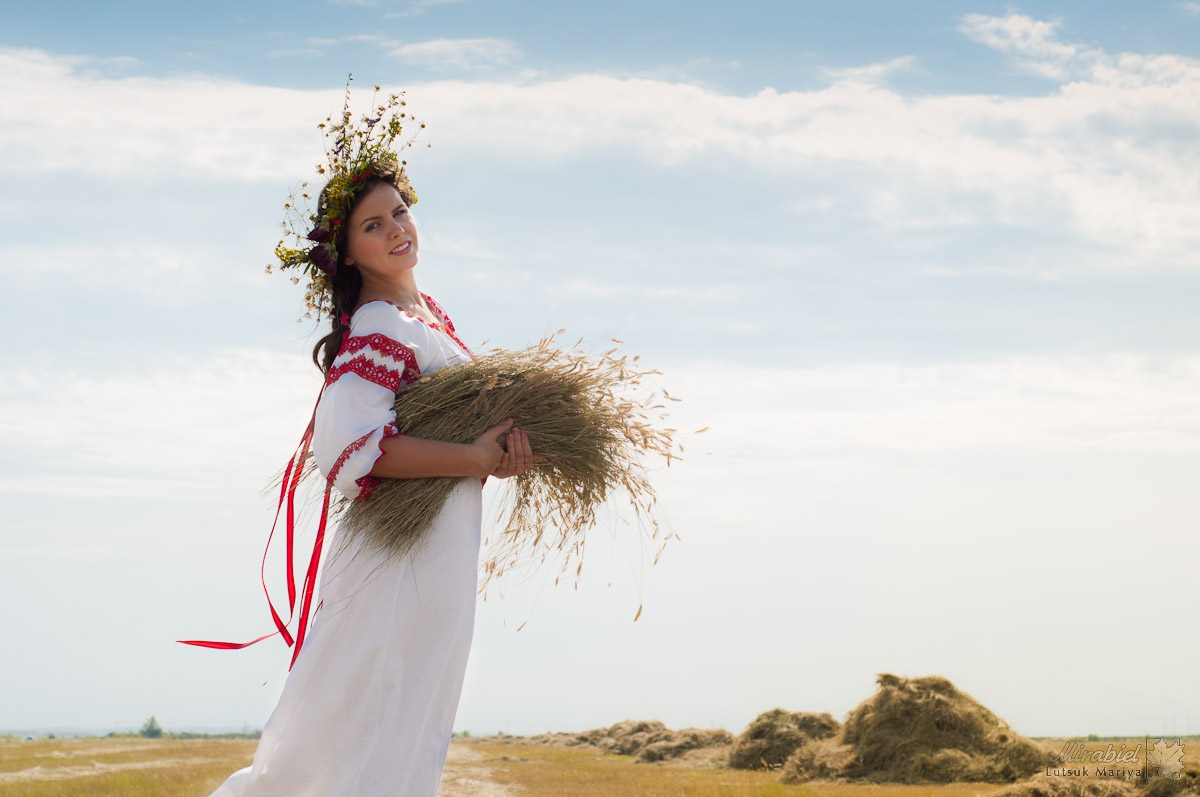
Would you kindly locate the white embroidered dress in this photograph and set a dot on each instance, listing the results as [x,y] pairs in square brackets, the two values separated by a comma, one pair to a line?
[368,708]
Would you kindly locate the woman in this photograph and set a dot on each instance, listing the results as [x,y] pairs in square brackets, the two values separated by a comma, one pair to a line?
[368,708]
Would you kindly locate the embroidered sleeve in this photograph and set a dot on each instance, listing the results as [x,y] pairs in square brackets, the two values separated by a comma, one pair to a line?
[378,357]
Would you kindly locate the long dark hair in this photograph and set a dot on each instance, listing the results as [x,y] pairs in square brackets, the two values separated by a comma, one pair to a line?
[347,281]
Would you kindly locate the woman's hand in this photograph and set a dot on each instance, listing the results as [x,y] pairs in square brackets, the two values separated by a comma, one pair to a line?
[514,458]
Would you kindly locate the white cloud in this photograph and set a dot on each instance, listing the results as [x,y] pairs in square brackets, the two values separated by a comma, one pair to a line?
[231,412]
[1033,42]
[1106,156]
[871,73]
[910,162]
[1112,403]
[1035,47]
[171,428]
[119,60]
[457,53]
[193,126]
[1189,8]
[158,271]
[615,290]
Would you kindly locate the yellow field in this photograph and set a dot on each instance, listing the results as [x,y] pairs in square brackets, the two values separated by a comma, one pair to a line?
[559,771]
[101,767]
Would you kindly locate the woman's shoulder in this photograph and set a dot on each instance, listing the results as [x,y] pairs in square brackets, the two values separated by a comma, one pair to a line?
[381,317]
[383,347]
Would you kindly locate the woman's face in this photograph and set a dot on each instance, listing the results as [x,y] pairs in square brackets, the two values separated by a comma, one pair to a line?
[382,235]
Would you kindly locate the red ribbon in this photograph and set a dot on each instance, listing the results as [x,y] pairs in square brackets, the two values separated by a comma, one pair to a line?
[292,475]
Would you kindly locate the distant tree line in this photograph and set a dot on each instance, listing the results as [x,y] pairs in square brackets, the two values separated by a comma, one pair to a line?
[152,730]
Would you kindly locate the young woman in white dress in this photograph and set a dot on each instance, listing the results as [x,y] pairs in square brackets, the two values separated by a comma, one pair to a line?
[369,705]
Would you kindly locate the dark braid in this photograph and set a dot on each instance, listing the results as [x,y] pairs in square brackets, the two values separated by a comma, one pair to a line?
[347,282]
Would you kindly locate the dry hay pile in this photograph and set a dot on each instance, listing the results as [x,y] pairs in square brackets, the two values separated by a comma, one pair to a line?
[629,737]
[1080,786]
[649,740]
[918,730]
[1043,786]
[776,734]
[681,742]
[1187,784]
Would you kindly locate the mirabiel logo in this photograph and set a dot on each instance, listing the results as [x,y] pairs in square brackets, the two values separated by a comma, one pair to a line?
[1075,760]
[1144,762]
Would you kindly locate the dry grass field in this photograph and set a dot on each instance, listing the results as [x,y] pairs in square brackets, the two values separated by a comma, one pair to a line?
[100,767]
[538,771]
[487,767]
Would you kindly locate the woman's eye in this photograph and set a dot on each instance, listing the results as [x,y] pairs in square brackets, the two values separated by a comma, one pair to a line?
[372,226]
[400,212]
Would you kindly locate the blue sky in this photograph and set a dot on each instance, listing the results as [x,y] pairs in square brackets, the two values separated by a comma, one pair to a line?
[784,45]
[927,272]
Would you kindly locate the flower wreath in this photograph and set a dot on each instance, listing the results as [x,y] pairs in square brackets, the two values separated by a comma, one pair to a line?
[353,153]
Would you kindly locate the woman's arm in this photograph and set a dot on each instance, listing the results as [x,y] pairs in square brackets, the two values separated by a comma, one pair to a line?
[407,457]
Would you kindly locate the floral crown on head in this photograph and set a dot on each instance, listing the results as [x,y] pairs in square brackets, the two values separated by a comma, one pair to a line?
[354,152]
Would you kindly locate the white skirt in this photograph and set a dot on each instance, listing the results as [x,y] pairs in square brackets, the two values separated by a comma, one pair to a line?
[368,709]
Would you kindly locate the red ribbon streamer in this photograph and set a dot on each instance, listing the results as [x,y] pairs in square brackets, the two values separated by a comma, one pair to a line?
[287,495]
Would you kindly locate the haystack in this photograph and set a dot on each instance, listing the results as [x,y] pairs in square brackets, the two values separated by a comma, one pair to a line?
[684,741]
[1042,786]
[649,740]
[776,734]
[918,730]
[628,737]
[1184,786]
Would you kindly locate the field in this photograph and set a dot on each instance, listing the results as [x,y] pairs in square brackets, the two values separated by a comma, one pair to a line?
[518,770]
[129,767]
[488,767]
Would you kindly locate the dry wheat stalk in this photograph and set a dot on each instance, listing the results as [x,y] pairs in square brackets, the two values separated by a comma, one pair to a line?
[593,419]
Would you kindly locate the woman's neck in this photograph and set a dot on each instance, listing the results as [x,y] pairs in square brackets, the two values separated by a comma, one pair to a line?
[401,292]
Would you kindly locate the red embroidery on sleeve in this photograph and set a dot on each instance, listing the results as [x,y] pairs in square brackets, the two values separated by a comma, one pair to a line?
[367,484]
[377,359]
[389,430]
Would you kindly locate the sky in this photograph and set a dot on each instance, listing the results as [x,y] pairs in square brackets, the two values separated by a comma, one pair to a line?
[926,271]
